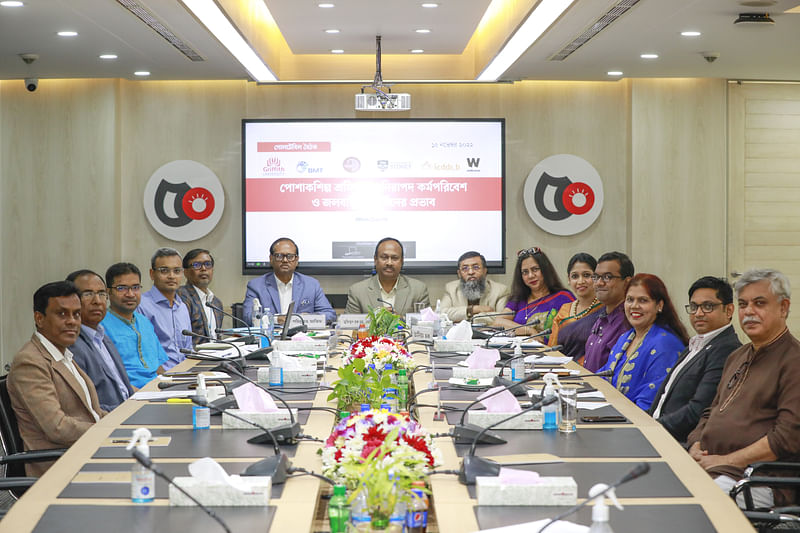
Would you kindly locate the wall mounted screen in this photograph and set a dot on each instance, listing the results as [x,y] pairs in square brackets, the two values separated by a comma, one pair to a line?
[338,186]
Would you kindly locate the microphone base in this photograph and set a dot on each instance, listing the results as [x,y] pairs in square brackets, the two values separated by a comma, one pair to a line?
[473,466]
[275,467]
[221,404]
[259,355]
[235,362]
[466,435]
[283,434]
[517,390]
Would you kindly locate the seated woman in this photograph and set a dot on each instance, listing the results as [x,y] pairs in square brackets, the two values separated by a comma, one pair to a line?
[641,357]
[536,293]
[573,339]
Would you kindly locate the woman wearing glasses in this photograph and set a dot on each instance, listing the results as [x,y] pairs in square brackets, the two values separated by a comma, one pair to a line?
[536,294]
[580,270]
[642,355]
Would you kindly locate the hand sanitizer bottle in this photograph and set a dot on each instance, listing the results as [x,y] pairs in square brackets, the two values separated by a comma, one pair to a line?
[600,509]
[517,364]
[143,480]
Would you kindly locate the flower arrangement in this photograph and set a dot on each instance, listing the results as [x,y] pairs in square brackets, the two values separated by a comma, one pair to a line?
[396,442]
[384,322]
[380,351]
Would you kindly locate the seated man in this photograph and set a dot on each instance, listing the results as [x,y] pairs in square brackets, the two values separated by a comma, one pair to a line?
[282,286]
[754,415]
[93,351]
[388,287]
[131,331]
[53,399]
[198,267]
[472,294]
[164,308]
[691,384]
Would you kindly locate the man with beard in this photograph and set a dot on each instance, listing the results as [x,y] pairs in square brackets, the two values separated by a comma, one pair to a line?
[472,294]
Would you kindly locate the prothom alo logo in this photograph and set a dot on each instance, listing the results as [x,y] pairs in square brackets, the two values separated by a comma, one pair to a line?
[183,200]
[564,194]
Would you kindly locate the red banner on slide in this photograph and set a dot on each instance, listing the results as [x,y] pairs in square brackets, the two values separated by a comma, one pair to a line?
[396,194]
[291,146]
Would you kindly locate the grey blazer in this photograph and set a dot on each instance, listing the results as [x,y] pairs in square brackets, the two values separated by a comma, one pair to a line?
[86,356]
[364,295]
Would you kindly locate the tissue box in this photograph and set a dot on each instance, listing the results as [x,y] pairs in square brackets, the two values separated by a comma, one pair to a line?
[562,491]
[221,494]
[320,346]
[270,420]
[301,375]
[444,345]
[529,420]
[479,373]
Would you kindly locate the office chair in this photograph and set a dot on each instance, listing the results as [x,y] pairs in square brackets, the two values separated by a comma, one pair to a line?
[775,475]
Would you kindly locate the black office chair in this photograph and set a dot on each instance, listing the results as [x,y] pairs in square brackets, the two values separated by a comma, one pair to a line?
[13,458]
[775,475]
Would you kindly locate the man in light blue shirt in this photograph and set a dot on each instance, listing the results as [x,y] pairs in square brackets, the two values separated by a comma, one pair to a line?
[131,331]
[93,351]
[162,306]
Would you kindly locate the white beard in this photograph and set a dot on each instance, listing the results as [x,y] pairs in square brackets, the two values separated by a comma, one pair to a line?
[473,290]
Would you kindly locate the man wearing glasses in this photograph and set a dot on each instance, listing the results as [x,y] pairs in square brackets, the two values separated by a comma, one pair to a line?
[277,289]
[198,267]
[472,294]
[93,350]
[754,416]
[691,384]
[164,308]
[612,274]
[133,334]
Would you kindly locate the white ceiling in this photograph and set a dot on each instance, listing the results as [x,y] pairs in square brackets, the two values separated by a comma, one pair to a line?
[767,52]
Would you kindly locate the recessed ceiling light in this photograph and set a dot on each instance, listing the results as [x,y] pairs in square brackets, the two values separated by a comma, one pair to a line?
[417,51]
[691,33]
[615,73]
[67,34]
[649,56]
[430,4]
[331,31]
[108,56]
[11,3]
[325,5]
[141,73]
[423,30]
[337,51]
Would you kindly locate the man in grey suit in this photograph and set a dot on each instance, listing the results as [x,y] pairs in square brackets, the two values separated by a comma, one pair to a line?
[93,351]
[388,287]
[691,384]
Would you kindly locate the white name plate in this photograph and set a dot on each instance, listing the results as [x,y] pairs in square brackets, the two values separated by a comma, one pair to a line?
[312,321]
[561,490]
[422,332]
[351,321]
[529,420]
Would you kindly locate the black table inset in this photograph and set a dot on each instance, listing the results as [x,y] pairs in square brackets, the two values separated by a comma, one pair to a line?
[196,443]
[150,518]
[174,414]
[660,482]
[454,416]
[594,442]
[123,490]
[649,518]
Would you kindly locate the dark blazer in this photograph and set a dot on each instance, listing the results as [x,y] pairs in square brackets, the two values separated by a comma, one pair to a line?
[197,311]
[695,385]
[90,361]
[306,293]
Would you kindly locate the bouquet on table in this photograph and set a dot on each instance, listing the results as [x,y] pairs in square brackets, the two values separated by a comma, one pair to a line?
[380,351]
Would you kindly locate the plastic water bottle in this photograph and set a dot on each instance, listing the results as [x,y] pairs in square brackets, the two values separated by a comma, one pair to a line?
[338,510]
[402,389]
[359,512]
[518,364]
[550,411]
[201,415]
[143,480]
[255,317]
[417,514]
[398,517]
[363,333]
[268,327]
[393,378]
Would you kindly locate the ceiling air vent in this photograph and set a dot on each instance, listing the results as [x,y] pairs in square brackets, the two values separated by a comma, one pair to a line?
[143,14]
[754,18]
[619,9]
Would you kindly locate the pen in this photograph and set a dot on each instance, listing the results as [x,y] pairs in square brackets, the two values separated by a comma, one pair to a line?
[179,400]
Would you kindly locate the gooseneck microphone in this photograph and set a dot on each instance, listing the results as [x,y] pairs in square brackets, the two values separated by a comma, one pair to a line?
[242,361]
[277,466]
[286,434]
[234,317]
[391,307]
[148,464]
[533,322]
[473,466]
[637,471]
[500,381]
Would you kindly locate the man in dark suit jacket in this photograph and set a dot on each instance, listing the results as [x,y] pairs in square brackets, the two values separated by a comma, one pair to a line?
[198,267]
[691,384]
[93,351]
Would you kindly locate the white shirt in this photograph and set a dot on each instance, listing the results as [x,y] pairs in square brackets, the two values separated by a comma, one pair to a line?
[285,294]
[211,320]
[389,296]
[66,357]
[696,344]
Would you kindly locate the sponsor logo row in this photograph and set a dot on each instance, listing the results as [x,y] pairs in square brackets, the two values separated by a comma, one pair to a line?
[273,166]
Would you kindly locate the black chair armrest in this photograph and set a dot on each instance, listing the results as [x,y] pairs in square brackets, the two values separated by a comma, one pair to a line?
[33,456]
[771,466]
[766,517]
[17,482]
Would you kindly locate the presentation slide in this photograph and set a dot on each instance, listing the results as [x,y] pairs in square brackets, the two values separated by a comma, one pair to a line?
[339,186]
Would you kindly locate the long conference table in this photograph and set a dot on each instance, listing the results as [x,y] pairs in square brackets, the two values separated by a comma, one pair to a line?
[88,489]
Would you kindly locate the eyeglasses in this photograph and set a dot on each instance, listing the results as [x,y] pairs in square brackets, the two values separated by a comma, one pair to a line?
[121,289]
[470,268]
[288,257]
[607,277]
[707,307]
[89,295]
[166,270]
[197,265]
[529,251]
